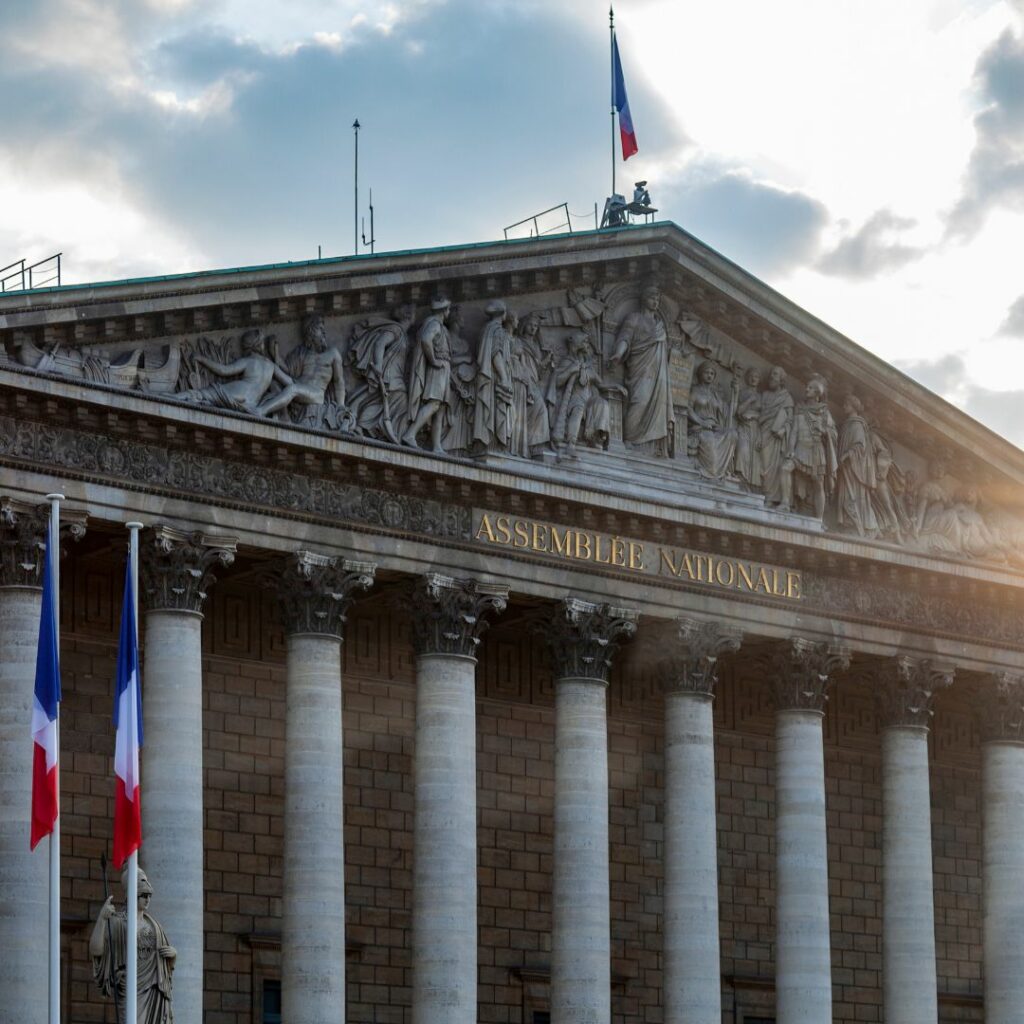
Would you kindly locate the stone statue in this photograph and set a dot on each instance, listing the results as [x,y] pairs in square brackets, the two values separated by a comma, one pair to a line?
[857,472]
[642,346]
[247,378]
[810,465]
[531,368]
[977,538]
[156,956]
[458,436]
[492,424]
[774,420]
[582,411]
[937,523]
[429,377]
[379,355]
[886,499]
[712,436]
[748,430]
[318,381]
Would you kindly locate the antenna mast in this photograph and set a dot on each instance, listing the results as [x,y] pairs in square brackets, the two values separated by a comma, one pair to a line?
[355,210]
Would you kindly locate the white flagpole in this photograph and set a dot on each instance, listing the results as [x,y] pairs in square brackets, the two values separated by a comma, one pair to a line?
[53,543]
[131,1000]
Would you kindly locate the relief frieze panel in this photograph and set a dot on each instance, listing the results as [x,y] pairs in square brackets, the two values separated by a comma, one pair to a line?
[622,371]
[212,477]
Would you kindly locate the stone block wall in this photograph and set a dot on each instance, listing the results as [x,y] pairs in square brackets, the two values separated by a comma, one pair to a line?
[244,757]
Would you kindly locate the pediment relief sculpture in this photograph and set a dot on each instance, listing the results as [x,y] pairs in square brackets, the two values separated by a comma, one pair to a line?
[624,370]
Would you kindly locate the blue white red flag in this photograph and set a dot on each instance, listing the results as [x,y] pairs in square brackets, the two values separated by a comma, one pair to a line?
[128,723]
[621,104]
[45,705]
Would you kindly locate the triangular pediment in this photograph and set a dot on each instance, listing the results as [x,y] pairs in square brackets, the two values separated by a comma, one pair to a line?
[636,363]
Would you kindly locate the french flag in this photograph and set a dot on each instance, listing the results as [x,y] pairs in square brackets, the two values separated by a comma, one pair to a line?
[621,104]
[128,723]
[45,783]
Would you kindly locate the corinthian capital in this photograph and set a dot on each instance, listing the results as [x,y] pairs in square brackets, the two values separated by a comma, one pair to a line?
[23,528]
[802,670]
[448,614]
[693,665]
[583,637]
[1000,707]
[175,568]
[905,689]
[314,591]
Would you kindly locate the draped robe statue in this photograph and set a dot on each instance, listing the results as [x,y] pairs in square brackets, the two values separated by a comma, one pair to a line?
[858,472]
[156,956]
[642,347]
[493,421]
[775,416]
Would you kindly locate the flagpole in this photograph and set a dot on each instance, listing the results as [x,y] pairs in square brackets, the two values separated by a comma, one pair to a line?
[53,544]
[611,50]
[131,1000]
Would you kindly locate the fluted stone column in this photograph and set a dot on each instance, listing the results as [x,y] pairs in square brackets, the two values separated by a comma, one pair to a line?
[693,980]
[1001,713]
[23,874]
[803,968]
[905,688]
[174,574]
[314,593]
[582,637]
[447,619]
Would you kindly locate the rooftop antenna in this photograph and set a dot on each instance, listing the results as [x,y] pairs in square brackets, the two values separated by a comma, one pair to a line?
[355,213]
[373,238]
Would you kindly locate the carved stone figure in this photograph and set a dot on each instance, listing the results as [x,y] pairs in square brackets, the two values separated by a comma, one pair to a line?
[810,466]
[937,523]
[492,424]
[748,430]
[642,346]
[977,538]
[458,436]
[773,425]
[886,499]
[318,381]
[429,377]
[379,355]
[246,379]
[857,471]
[712,436]
[582,411]
[531,369]
[156,956]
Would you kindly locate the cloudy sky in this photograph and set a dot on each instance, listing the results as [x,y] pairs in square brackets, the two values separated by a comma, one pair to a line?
[865,157]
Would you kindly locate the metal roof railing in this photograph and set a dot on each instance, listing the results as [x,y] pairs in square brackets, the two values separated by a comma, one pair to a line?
[20,276]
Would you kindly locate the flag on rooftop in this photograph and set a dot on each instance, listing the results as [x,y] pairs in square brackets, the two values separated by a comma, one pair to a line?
[621,103]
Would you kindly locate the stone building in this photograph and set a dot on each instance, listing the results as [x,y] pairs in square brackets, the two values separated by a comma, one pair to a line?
[569,629]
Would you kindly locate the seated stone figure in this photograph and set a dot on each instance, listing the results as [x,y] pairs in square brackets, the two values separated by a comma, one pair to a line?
[712,436]
[316,395]
[247,379]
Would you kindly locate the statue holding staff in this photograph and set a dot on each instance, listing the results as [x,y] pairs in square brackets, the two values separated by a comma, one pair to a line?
[108,949]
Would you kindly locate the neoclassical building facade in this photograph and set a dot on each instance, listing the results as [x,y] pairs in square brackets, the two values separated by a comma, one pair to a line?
[569,629]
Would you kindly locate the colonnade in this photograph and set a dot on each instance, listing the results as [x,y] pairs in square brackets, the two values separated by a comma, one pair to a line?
[448,618]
